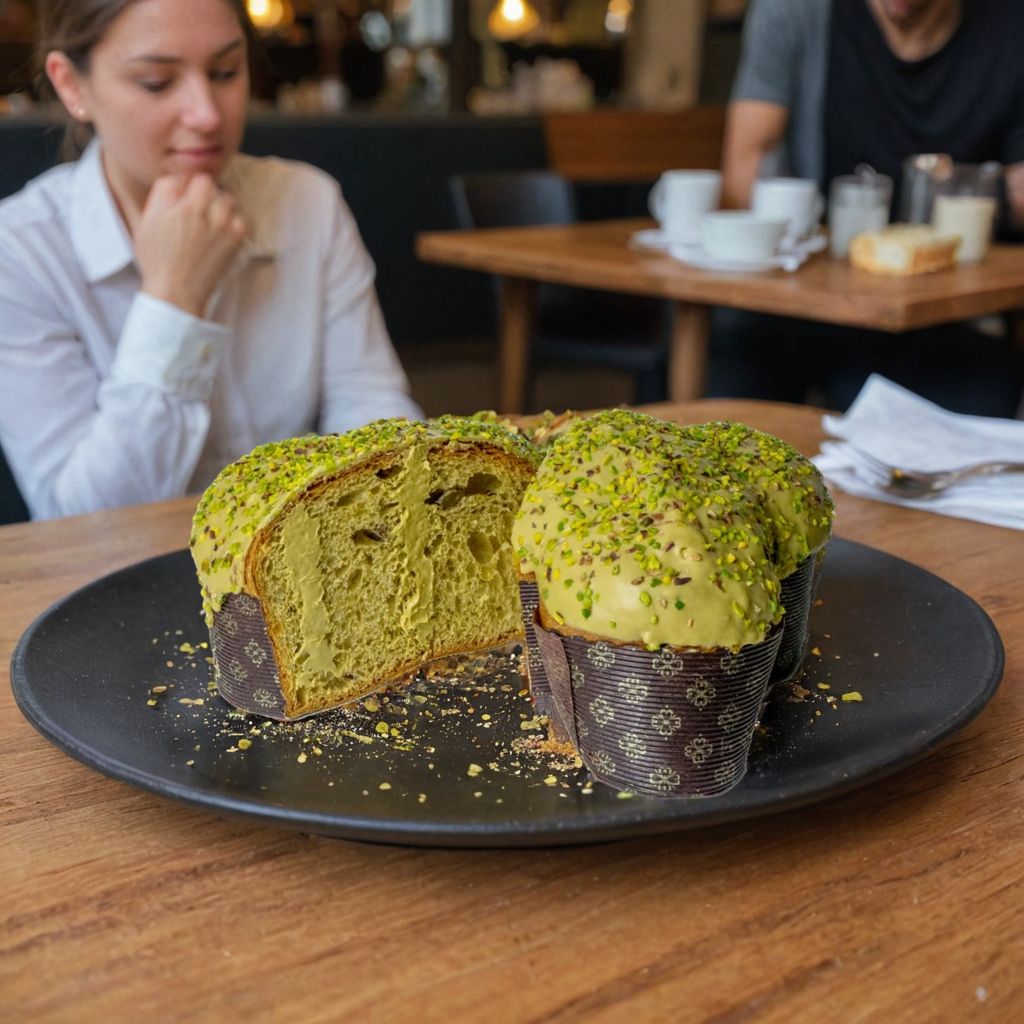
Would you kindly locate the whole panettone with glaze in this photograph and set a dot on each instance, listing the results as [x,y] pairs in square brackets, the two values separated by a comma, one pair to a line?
[655,555]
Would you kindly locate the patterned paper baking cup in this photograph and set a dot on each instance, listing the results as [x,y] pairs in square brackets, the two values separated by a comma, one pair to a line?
[243,658]
[796,599]
[659,723]
[797,592]
[540,689]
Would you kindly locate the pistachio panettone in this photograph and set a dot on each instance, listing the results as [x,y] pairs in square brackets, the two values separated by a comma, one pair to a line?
[656,552]
[332,565]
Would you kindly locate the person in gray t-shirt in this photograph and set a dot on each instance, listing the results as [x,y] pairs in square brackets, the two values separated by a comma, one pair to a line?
[931,58]
[824,82]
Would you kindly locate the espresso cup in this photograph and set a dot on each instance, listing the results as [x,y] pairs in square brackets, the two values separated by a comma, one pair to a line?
[741,236]
[680,199]
[794,200]
[970,217]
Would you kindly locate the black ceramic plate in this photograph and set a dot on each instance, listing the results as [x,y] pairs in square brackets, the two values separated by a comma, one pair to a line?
[456,760]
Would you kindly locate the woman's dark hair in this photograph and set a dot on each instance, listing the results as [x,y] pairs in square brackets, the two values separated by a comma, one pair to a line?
[74,27]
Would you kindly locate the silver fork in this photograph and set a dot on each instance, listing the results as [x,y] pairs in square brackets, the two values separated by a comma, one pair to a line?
[920,483]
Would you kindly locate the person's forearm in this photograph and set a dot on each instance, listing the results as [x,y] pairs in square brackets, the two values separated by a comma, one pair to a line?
[753,129]
[738,176]
[111,466]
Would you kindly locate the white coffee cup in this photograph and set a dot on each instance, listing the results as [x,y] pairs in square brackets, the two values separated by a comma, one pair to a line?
[680,199]
[741,236]
[795,200]
[970,217]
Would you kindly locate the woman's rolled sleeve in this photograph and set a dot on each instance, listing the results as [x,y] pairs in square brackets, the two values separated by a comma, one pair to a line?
[77,444]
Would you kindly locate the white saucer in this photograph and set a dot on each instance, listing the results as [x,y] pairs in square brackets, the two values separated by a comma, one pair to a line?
[652,238]
[806,246]
[790,257]
[695,256]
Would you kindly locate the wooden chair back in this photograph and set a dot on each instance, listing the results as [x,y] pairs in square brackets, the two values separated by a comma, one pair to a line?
[622,145]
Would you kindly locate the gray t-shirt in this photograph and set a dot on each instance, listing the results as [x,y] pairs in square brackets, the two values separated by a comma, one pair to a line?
[784,60]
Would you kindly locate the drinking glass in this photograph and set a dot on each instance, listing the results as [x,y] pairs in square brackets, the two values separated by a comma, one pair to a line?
[929,175]
[970,217]
[857,203]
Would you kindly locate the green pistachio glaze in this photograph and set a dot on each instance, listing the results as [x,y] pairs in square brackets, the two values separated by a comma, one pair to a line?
[795,498]
[249,493]
[636,534]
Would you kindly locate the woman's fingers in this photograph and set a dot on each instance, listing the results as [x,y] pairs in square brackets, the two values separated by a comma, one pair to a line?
[239,227]
[186,239]
[218,206]
[201,189]
[220,209]
[166,192]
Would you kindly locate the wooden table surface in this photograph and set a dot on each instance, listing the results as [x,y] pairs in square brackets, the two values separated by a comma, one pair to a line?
[900,901]
[599,255]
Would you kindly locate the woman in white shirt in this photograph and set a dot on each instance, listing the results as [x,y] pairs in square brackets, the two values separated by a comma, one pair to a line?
[166,303]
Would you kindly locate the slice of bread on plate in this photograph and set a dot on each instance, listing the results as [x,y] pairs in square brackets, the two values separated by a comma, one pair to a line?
[904,249]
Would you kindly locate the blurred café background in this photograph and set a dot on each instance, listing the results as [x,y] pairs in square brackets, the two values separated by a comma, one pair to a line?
[395,98]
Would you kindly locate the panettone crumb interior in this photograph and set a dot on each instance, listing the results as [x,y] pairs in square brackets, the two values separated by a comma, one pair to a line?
[404,560]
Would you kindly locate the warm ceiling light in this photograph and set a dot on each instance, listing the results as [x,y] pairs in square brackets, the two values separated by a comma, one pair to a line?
[511,19]
[270,15]
[616,20]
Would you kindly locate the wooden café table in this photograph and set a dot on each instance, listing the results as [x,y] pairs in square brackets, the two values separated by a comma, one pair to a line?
[901,901]
[599,255]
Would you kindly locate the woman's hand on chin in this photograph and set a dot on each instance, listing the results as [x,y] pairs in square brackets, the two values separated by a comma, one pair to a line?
[186,238]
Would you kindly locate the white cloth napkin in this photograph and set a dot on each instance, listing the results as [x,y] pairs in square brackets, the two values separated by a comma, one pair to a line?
[903,429]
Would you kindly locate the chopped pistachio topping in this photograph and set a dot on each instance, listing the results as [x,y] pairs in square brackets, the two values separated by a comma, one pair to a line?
[650,516]
[796,501]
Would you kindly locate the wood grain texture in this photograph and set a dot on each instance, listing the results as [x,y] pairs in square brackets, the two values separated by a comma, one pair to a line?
[615,144]
[899,902]
[518,299]
[688,351]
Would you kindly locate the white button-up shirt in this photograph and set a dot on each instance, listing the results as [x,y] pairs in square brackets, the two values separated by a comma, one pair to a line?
[111,397]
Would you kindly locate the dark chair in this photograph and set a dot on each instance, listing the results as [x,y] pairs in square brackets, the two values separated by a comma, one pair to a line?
[12,506]
[573,325]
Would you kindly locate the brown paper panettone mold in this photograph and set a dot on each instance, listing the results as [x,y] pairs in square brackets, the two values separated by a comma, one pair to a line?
[665,723]
[797,591]
[533,663]
[243,658]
